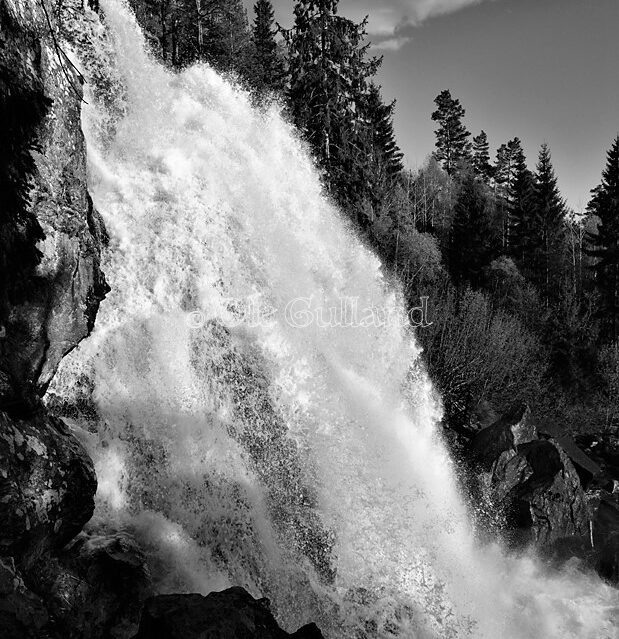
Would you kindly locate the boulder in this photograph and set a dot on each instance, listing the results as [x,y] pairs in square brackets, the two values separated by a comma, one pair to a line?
[231,614]
[552,501]
[538,489]
[95,587]
[47,486]
[514,428]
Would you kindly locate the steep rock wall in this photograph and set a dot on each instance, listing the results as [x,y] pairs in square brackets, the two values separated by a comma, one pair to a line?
[60,302]
[51,285]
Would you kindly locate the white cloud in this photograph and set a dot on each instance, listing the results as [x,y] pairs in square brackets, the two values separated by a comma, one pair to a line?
[390,23]
[391,44]
[423,9]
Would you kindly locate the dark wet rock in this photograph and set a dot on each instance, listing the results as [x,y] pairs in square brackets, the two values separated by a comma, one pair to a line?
[531,487]
[95,587]
[47,486]
[552,499]
[231,614]
[514,428]
[538,489]
[22,614]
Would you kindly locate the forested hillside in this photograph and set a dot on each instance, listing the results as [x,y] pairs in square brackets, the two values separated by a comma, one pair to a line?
[523,292]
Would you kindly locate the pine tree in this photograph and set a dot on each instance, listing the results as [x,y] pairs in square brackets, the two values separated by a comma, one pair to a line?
[329,75]
[268,69]
[550,211]
[472,241]
[505,166]
[481,157]
[604,244]
[452,138]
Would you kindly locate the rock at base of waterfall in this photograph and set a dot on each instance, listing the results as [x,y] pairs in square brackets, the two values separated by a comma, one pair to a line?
[512,429]
[22,614]
[537,487]
[95,587]
[47,487]
[233,614]
[552,501]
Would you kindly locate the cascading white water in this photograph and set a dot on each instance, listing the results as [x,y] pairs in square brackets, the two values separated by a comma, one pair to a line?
[296,458]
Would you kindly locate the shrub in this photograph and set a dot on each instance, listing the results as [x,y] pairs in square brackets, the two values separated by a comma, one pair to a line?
[477,353]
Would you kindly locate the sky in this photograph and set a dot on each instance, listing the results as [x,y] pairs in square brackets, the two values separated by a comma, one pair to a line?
[542,70]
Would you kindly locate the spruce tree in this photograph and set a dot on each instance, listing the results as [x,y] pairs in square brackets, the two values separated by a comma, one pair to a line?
[379,123]
[268,70]
[507,159]
[523,243]
[604,244]
[549,224]
[329,74]
[452,138]
[472,243]
[376,159]
[481,157]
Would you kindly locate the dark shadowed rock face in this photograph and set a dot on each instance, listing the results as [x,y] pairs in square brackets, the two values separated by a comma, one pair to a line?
[48,305]
[22,614]
[231,614]
[605,533]
[58,308]
[551,503]
[47,486]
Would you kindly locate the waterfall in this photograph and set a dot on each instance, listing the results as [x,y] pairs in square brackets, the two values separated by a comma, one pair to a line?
[252,395]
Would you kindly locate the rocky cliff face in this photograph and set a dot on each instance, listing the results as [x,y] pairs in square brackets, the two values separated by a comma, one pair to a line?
[58,307]
[52,285]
